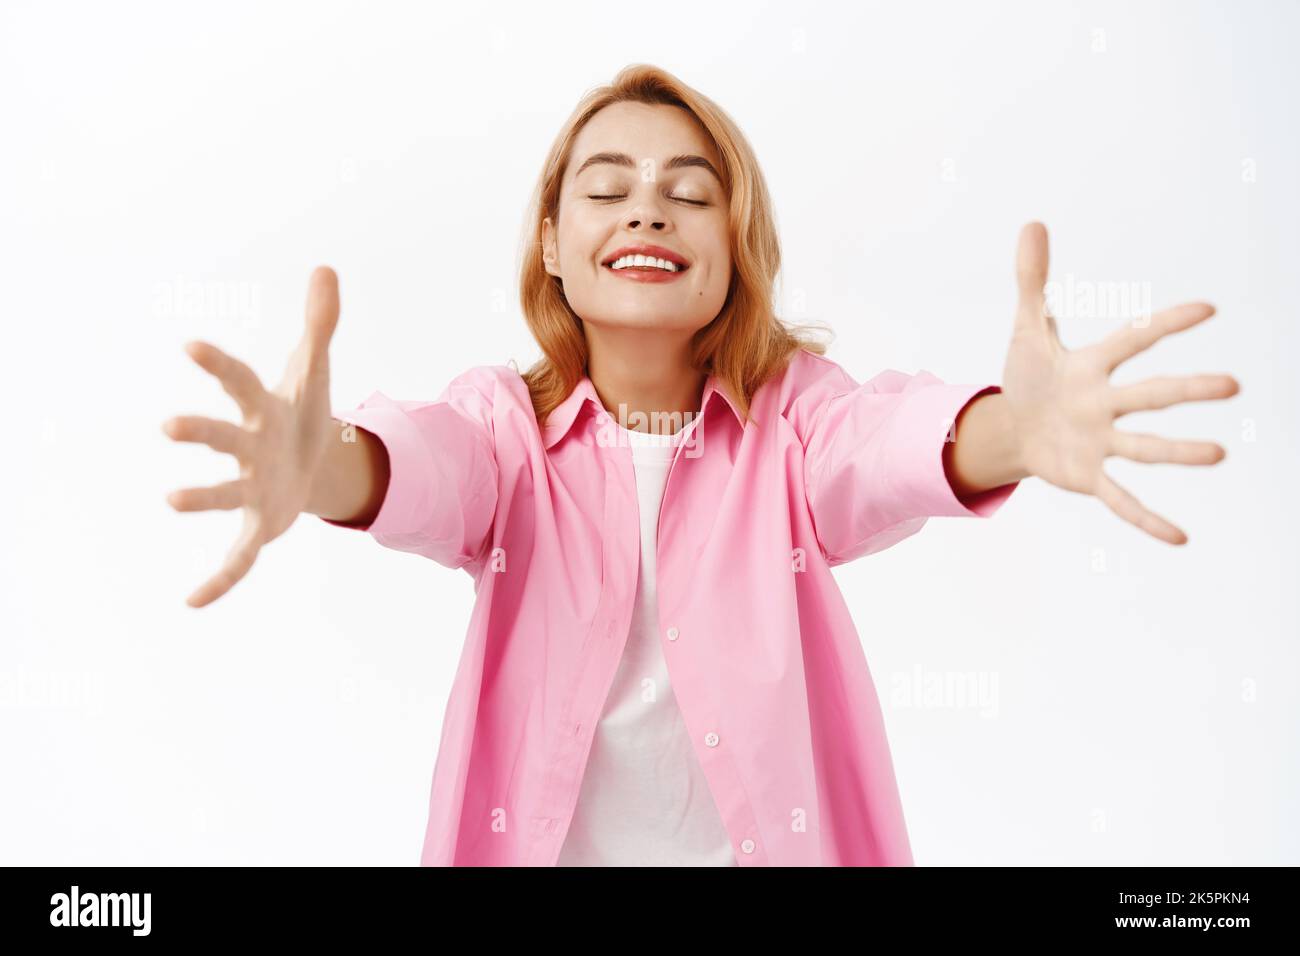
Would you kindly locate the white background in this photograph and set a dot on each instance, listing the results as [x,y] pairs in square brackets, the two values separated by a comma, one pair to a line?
[175,172]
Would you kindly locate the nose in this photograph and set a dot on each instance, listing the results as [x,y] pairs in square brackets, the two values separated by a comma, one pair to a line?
[647,212]
[635,222]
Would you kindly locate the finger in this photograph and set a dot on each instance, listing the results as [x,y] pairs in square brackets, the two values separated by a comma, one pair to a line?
[238,561]
[218,435]
[1123,344]
[322,312]
[1154,449]
[239,381]
[1031,277]
[1132,511]
[223,497]
[1165,390]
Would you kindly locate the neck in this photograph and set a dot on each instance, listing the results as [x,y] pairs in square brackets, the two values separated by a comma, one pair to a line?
[644,377]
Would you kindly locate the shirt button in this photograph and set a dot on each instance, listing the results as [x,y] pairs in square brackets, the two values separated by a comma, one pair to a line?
[747,846]
[711,739]
[673,633]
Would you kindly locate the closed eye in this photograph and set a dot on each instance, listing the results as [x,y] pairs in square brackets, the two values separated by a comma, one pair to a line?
[693,202]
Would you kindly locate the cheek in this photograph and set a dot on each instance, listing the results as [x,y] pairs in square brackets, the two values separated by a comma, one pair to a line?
[719,255]
[581,245]
[720,267]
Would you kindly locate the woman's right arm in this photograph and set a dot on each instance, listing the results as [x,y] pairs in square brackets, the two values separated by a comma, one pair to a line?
[352,478]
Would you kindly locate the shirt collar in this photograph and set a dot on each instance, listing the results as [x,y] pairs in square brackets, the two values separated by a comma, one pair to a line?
[566,413]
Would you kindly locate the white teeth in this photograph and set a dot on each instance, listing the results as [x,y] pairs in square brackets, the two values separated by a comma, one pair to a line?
[628,261]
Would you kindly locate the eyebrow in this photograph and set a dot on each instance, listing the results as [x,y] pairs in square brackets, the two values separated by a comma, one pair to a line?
[681,161]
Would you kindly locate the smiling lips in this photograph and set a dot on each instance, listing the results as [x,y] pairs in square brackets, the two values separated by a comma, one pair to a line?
[646,263]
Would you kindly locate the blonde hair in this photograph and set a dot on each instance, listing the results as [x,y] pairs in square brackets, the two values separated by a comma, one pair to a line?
[746,343]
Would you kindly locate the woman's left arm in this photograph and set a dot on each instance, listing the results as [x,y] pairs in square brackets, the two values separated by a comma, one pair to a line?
[1054,414]
[984,453]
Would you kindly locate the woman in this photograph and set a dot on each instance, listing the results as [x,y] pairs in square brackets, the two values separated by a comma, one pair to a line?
[665,493]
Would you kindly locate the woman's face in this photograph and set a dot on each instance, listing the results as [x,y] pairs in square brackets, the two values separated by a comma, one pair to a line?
[641,174]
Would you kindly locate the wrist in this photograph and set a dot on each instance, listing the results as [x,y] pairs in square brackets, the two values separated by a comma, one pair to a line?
[322,496]
[1013,455]
[987,451]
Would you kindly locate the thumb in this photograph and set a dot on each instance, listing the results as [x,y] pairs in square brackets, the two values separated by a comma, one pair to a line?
[1031,270]
[322,312]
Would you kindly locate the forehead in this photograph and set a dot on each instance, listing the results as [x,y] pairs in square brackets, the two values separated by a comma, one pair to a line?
[642,130]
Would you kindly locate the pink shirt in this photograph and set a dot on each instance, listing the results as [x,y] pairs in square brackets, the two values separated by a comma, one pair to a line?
[766,663]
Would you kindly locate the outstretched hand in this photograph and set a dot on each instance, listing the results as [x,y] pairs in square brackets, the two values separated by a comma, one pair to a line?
[279,446]
[1064,406]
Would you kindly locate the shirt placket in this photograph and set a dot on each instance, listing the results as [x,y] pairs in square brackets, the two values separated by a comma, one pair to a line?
[603,645]
[711,733]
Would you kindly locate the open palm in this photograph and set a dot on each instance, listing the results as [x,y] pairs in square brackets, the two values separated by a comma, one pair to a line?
[279,446]
[1064,406]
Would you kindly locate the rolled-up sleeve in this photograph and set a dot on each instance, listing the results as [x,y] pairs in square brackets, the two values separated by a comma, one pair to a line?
[874,462]
[442,487]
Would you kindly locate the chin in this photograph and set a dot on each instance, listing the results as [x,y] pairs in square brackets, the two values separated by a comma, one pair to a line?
[647,319]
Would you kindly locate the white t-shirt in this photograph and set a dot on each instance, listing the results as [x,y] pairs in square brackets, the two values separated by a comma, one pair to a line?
[644,799]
